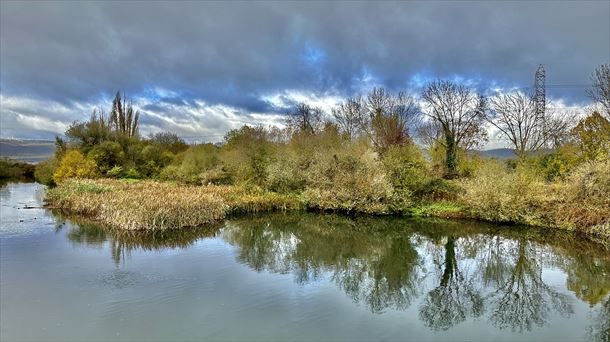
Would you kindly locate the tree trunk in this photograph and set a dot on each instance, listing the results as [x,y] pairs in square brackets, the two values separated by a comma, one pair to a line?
[450,156]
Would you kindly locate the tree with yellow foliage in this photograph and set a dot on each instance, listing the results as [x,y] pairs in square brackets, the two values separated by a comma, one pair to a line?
[592,136]
[74,165]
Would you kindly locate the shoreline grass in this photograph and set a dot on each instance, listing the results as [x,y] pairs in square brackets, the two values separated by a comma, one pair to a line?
[153,205]
[150,205]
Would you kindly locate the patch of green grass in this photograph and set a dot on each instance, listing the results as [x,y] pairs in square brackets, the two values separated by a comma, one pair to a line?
[440,209]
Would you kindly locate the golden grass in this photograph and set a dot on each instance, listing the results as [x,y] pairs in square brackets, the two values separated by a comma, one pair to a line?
[150,205]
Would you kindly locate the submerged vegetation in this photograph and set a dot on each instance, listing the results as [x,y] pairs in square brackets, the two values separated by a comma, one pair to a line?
[380,153]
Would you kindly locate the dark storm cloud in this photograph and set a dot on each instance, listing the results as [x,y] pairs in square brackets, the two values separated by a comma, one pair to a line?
[238,54]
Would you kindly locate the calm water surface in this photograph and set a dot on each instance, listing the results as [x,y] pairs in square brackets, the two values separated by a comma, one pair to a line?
[295,277]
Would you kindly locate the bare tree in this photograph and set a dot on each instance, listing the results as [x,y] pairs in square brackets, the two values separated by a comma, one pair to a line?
[514,115]
[390,118]
[428,133]
[407,109]
[460,113]
[123,117]
[557,127]
[601,87]
[305,119]
[378,102]
[351,116]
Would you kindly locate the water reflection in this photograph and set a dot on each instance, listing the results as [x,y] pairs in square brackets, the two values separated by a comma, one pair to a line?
[374,262]
[450,271]
[460,270]
[599,330]
[82,231]
[522,299]
[456,296]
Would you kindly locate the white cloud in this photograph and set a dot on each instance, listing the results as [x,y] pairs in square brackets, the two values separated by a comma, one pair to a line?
[195,120]
[286,99]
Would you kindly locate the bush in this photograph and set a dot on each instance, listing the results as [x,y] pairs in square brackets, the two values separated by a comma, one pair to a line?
[348,180]
[152,159]
[132,173]
[406,169]
[44,171]
[557,165]
[439,189]
[499,195]
[585,199]
[247,154]
[115,172]
[107,155]
[169,141]
[74,165]
[284,175]
[189,166]
[467,163]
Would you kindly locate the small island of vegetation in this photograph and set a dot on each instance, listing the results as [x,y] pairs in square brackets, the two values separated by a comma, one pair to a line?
[380,153]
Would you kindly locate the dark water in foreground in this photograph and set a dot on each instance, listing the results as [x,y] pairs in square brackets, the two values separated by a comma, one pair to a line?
[295,277]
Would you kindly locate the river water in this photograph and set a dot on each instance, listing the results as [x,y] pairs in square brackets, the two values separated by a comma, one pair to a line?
[295,277]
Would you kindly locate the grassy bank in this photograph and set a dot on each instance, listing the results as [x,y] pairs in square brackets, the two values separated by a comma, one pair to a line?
[138,205]
[580,205]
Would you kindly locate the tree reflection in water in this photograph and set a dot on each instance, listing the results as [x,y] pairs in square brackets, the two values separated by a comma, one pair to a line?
[375,264]
[457,270]
[522,299]
[455,298]
[599,330]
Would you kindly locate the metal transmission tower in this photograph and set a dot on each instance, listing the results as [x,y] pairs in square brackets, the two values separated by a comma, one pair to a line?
[540,94]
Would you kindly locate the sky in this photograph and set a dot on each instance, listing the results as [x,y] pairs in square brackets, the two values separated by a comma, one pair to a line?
[200,69]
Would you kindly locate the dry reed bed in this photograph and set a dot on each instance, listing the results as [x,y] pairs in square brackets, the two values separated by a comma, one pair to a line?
[150,205]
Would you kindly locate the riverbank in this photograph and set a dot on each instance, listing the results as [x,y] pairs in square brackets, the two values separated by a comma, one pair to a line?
[152,205]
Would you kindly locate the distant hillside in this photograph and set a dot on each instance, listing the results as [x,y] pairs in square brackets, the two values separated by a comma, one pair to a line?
[31,151]
[500,153]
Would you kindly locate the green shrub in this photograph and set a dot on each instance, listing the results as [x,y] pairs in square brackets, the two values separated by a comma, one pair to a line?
[406,169]
[285,175]
[169,141]
[132,173]
[115,172]
[585,202]
[152,159]
[189,166]
[557,165]
[106,155]
[247,154]
[467,163]
[439,189]
[44,171]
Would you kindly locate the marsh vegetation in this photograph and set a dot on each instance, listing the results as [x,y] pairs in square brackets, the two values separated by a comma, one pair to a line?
[379,153]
